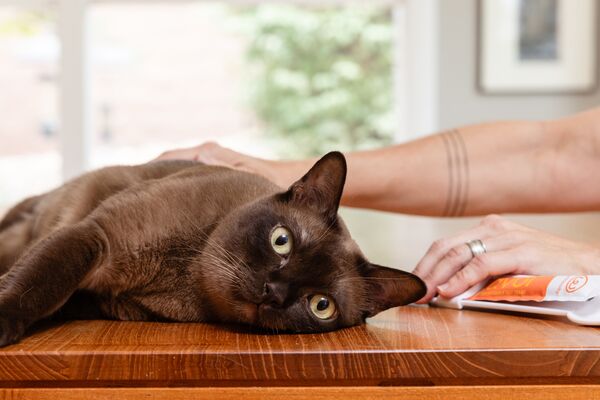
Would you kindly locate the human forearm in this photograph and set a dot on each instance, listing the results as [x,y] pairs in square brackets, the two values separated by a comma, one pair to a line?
[459,172]
[487,168]
[467,171]
[474,170]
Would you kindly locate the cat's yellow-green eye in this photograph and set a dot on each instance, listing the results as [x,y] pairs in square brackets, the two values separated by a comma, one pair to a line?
[322,306]
[281,240]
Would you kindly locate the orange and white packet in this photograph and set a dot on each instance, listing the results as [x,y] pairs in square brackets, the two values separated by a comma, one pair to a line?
[540,288]
[575,297]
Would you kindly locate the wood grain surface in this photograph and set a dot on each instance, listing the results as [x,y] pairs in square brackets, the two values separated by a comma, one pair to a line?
[404,346]
[536,392]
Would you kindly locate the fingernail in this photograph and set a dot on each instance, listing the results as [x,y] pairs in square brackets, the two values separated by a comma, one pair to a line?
[443,288]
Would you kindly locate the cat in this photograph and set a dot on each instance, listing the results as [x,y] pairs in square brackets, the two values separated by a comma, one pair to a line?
[184,241]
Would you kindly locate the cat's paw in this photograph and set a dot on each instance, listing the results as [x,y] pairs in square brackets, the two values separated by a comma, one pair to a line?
[11,331]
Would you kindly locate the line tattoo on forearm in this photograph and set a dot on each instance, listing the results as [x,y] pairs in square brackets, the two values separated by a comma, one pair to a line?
[458,174]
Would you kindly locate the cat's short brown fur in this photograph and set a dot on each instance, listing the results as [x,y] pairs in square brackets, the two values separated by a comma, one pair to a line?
[182,241]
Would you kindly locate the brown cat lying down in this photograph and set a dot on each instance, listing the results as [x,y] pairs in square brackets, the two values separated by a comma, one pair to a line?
[182,241]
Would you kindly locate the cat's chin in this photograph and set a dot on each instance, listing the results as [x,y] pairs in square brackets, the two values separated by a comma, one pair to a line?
[260,315]
[249,313]
[269,317]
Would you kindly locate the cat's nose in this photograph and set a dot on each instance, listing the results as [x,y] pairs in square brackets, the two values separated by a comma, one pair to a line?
[275,293]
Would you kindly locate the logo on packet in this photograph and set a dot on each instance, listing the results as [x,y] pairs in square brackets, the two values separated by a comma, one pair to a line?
[575,283]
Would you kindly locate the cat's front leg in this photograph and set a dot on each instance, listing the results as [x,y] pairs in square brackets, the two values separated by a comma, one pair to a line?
[44,278]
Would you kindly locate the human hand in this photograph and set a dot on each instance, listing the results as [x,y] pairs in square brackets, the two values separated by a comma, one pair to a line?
[213,154]
[449,268]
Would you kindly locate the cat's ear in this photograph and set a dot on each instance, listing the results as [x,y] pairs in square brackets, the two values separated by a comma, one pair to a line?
[389,288]
[321,188]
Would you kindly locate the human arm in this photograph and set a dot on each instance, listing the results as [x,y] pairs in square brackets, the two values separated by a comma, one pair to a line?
[521,166]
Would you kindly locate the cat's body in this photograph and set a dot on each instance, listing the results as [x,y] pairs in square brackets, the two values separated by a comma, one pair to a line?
[182,241]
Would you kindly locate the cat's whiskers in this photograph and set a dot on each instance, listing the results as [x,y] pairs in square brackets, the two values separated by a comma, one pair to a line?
[227,268]
[218,294]
[230,255]
[232,271]
[223,252]
[206,238]
[233,259]
[232,268]
[224,267]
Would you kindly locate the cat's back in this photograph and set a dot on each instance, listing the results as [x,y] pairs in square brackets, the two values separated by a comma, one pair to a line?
[201,193]
[77,198]
[149,190]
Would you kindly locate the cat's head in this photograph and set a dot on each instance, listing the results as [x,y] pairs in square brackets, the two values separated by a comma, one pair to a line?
[287,261]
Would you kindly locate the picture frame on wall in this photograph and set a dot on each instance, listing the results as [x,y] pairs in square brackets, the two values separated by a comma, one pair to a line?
[537,46]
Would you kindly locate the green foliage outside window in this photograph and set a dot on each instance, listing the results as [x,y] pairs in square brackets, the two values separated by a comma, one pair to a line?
[321,78]
[27,23]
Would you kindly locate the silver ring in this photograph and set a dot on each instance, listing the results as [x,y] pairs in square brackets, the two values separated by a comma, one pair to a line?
[477,247]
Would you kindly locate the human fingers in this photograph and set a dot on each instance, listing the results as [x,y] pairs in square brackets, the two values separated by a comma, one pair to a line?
[209,153]
[280,172]
[178,154]
[489,226]
[440,249]
[458,257]
[212,153]
[480,268]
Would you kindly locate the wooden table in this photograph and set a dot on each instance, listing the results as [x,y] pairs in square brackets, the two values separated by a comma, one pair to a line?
[413,352]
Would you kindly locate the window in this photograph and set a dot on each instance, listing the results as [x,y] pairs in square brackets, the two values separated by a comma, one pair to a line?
[29,144]
[163,76]
[298,78]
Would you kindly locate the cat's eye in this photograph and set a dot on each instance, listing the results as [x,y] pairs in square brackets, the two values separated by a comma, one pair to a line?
[322,306]
[281,240]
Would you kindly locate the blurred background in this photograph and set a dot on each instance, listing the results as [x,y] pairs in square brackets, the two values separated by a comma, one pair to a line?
[89,83]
